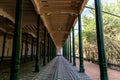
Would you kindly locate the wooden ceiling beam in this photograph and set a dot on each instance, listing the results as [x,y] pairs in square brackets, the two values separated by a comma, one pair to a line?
[49,11]
[59,1]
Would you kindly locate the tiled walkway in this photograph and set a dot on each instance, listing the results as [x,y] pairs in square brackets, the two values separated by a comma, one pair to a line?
[60,69]
[93,71]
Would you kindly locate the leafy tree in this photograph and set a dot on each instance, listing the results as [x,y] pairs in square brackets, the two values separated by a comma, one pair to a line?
[111,25]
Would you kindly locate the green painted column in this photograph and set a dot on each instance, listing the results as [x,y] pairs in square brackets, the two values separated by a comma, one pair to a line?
[67,50]
[48,52]
[70,49]
[44,55]
[37,61]
[34,49]
[73,41]
[32,44]
[63,51]
[26,47]
[100,42]
[22,51]
[15,62]
[81,59]
[3,47]
[53,51]
[50,49]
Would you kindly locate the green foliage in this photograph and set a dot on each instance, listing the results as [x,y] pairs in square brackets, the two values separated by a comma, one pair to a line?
[111,26]
[89,29]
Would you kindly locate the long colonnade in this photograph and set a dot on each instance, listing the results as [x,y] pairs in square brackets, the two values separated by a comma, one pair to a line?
[100,43]
[47,48]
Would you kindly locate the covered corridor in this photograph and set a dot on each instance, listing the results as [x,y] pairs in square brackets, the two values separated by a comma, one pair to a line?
[32,32]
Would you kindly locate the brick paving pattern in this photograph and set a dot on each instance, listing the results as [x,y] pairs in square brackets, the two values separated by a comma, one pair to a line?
[60,69]
[93,71]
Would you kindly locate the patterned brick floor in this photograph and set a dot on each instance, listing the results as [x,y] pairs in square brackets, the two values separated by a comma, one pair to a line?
[64,70]
[93,71]
[60,69]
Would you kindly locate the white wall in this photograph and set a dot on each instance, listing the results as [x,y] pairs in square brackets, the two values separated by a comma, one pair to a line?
[8,46]
[29,49]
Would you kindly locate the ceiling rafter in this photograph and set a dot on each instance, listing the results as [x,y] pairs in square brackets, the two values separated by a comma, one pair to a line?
[58,16]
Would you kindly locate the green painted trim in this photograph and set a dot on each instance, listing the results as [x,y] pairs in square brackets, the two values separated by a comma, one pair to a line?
[100,42]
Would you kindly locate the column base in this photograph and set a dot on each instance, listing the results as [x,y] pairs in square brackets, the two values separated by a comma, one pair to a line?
[82,70]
